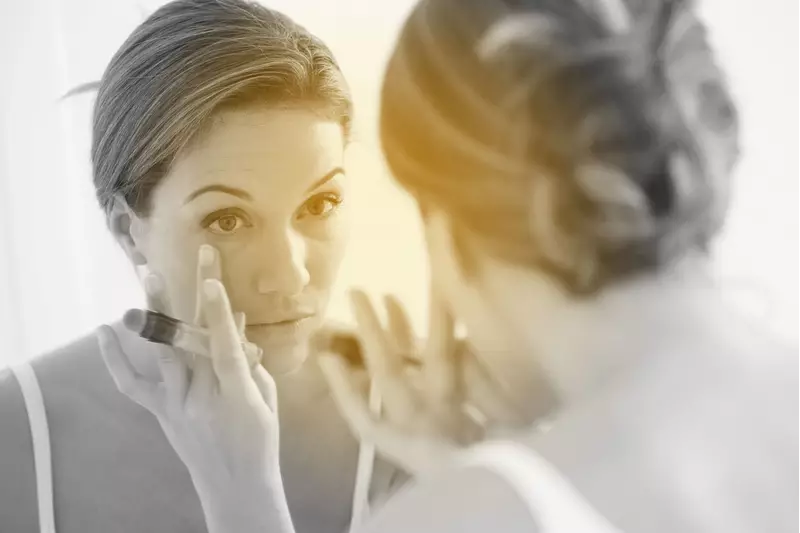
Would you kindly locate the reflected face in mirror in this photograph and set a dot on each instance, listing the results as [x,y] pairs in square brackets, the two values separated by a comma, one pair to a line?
[266,188]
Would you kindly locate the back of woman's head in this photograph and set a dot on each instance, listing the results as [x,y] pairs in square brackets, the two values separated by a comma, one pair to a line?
[187,61]
[590,138]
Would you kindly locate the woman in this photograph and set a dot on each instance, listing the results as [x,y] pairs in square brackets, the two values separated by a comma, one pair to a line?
[221,125]
[571,161]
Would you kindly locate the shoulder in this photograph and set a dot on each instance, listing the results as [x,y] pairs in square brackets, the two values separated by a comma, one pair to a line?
[499,486]
[76,366]
[634,448]
[64,364]
[17,476]
[17,482]
[14,431]
[468,499]
[80,399]
[61,362]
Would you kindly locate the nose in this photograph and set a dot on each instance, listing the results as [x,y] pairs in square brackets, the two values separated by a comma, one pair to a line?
[283,267]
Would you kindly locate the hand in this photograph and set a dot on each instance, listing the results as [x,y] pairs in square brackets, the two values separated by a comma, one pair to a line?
[426,416]
[218,413]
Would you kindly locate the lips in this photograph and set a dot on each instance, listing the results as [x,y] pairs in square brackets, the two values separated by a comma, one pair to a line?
[282,331]
[281,322]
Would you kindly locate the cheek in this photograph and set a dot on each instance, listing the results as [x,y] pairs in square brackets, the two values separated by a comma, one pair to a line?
[172,252]
[323,259]
[174,258]
[243,264]
[325,246]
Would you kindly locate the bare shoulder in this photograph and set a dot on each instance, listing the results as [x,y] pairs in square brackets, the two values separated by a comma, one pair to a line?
[64,363]
[17,478]
[91,425]
[17,485]
[692,440]
[499,485]
[465,499]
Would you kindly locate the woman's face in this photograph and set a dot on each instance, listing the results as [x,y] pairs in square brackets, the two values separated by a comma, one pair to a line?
[266,188]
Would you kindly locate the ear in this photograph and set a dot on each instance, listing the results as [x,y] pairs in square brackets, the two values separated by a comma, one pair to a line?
[127,228]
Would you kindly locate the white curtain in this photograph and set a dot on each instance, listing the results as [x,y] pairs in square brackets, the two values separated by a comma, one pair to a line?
[61,275]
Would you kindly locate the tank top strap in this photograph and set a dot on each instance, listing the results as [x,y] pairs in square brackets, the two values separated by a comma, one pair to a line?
[40,435]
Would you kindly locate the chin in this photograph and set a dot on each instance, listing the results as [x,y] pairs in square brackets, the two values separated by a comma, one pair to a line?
[283,358]
[286,346]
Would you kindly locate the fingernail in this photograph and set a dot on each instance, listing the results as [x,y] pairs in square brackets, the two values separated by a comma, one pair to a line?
[211,289]
[206,255]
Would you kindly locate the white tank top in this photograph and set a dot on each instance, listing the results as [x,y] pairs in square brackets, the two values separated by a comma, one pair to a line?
[40,435]
[554,503]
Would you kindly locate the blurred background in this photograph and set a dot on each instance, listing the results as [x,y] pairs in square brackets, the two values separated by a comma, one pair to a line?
[61,274]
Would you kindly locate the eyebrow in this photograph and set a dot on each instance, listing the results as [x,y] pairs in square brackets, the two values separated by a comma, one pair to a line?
[325,179]
[239,193]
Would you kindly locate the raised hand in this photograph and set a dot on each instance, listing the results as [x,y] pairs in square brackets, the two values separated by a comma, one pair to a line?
[218,413]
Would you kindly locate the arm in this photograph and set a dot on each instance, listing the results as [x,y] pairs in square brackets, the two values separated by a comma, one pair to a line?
[219,414]
[264,511]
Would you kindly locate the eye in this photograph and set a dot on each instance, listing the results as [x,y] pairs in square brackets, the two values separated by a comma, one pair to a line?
[226,222]
[321,205]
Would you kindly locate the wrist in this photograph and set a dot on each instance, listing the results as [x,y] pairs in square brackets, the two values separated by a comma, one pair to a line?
[259,509]
[268,518]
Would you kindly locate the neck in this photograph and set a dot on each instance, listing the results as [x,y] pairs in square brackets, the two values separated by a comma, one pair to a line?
[590,342]
[305,385]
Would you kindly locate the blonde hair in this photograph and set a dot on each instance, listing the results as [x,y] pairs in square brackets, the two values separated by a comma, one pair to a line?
[552,133]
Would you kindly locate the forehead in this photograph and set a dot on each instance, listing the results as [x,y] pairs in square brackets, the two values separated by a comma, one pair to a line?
[277,150]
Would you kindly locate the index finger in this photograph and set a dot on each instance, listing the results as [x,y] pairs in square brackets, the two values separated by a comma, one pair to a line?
[227,353]
[379,354]
[440,360]
[208,267]
[400,327]
[383,362]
